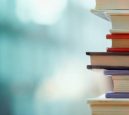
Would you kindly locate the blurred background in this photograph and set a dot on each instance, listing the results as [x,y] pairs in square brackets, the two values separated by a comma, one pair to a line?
[42,56]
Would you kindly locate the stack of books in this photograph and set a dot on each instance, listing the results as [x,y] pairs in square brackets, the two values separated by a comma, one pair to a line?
[115,60]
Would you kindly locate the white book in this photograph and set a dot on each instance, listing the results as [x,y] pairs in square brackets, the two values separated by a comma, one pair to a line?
[105,14]
[112,4]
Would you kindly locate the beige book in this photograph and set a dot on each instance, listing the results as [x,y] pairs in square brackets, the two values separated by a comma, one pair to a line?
[120,43]
[104,106]
[120,83]
[112,4]
[109,58]
[120,21]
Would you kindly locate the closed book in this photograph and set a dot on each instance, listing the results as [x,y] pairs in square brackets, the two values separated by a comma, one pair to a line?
[119,31]
[117,49]
[109,106]
[120,43]
[120,21]
[109,59]
[116,72]
[112,4]
[117,36]
[105,13]
[120,83]
[107,67]
[117,95]
[119,40]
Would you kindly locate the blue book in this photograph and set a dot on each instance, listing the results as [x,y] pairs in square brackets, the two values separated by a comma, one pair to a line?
[116,72]
[117,95]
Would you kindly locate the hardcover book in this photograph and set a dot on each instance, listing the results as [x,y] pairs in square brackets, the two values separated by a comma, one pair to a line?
[112,4]
[117,36]
[120,21]
[119,40]
[120,83]
[119,59]
[117,95]
[107,67]
[116,72]
[109,106]
[117,49]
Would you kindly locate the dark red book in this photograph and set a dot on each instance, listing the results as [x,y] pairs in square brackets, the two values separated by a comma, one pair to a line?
[117,49]
[117,36]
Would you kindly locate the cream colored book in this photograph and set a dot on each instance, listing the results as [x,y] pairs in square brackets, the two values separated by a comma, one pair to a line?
[109,106]
[120,21]
[119,31]
[120,43]
[120,83]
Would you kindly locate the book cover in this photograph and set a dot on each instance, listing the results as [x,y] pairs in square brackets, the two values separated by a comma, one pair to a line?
[112,4]
[107,67]
[117,49]
[116,72]
[117,95]
[109,59]
[117,36]
[119,31]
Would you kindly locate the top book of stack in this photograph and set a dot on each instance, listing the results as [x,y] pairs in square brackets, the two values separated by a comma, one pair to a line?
[112,4]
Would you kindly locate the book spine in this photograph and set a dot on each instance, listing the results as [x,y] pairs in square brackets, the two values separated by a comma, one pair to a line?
[116,72]
[117,49]
[107,53]
[117,36]
[117,95]
[108,67]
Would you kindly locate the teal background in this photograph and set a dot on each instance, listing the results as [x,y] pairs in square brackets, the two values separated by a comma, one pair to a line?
[42,59]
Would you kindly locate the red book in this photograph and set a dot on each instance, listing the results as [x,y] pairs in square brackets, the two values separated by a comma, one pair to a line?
[117,49]
[117,36]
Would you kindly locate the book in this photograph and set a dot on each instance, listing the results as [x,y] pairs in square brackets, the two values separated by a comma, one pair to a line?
[120,43]
[117,95]
[116,72]
[117,49]
[118,36]
[112,4]
[105,14]
[107,67]
[119,40]
[120,83]
[109,58]
[109,106]
[119,31]
[120,22]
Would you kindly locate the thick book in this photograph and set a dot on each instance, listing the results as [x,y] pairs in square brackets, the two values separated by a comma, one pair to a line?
[120,43]
[116,59]
[117,95]
[117,49]
[116,72]
[109,106]
[120,21]
[119,40]
[112,4]
[120,83]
